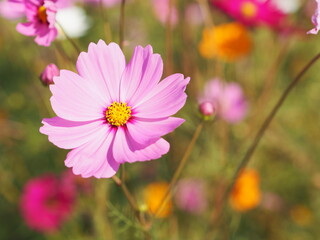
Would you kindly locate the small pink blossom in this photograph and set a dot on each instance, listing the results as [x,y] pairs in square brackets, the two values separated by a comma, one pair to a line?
[193,14]
[316,20]
[12,9]
[162,11]
[228,99]
[46,203]
[48,73]
[41,21]
[190,196]
[252,12]
[111,112]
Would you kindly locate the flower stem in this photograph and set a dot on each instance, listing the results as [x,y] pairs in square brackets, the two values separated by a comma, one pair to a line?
[126,192]
[181,166]
[121,23]
[245,160]
[75,46]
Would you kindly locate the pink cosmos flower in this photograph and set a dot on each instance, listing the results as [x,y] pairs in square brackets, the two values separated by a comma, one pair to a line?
[227,98]
[161,9]
[12,9]
[46,203]
[111,113]
[190,196]
[316,20]
[41,21]
[252,12]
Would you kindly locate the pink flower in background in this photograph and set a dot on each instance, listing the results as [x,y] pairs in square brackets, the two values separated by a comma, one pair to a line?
[107,3]
[316,20]
[50,71]
[161,9]
[111,113]
[12,9]
[41,21]
[252,12]
[46,203]
[193,14]
[190,196]
[228,99]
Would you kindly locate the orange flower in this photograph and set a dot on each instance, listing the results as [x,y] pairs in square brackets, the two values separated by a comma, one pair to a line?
[154,195]
[227,42]
[246,193]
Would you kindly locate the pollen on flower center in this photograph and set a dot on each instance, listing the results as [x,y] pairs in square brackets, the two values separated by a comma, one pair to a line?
[42,14]
[248,9]
[118,113]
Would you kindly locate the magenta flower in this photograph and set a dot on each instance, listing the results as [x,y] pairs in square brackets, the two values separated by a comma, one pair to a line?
[190,196]
[46,203]
[112,113]
[50,71]
[41,21]
[316,20]
[227,98]
[252,12]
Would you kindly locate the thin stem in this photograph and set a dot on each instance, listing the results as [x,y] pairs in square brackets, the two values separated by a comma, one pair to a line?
[245,160]
[75,46]
[126,192]
[121,23]
[180,168]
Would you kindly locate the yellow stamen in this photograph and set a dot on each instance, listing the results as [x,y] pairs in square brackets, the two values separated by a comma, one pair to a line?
[42,14]
[118,113]
[248,9]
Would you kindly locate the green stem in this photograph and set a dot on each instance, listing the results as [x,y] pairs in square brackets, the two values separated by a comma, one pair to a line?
[245,160]
[181,166]
[75,46]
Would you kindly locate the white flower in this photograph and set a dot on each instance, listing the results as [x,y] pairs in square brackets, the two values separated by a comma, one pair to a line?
[74,22]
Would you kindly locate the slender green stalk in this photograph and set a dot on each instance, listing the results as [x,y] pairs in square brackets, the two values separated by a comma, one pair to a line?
[245,160]
[121,23]
[181,166]
[75,46]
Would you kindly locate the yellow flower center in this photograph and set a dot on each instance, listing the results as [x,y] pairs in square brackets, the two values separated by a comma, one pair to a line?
[42,14]
[248,9]
[118,113]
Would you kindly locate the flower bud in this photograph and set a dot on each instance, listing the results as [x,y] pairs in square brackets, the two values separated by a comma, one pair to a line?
[207,109]
[48,73]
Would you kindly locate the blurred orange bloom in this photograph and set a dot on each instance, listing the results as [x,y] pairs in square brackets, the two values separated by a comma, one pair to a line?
[246,194]
[154,195]
[227,42]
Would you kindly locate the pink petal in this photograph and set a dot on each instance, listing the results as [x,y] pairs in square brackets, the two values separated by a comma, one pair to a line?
[46,36]
[165,99]
[103,66]
[28,29]
[94,158]
[76,99]
[145,131]
[126,149]
[141,75]
[67,134]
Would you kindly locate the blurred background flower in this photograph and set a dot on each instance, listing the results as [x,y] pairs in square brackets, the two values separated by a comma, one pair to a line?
[154,194]
[246,193]
[46,203]
[190,196]
[226,42]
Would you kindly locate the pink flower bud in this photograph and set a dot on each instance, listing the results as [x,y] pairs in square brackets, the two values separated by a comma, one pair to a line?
[207,108]
[48,73]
